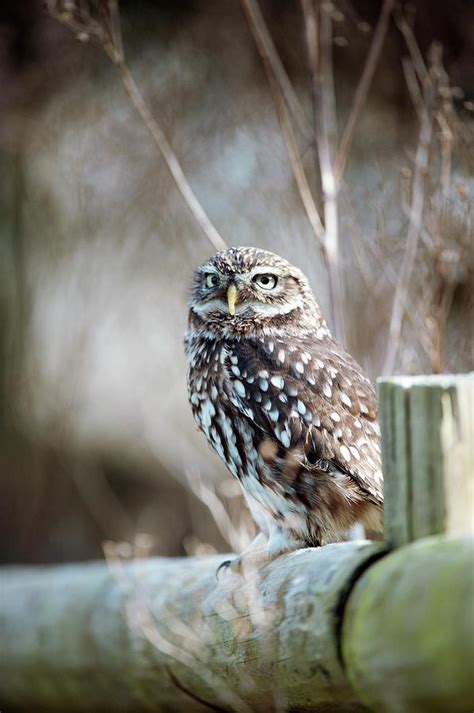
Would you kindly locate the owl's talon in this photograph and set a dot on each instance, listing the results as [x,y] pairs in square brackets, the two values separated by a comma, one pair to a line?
[223,566]
[234,566]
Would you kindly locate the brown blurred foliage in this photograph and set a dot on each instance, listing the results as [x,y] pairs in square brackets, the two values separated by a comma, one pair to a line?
[97,441]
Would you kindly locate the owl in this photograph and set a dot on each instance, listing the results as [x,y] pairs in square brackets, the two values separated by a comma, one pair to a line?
[281,402]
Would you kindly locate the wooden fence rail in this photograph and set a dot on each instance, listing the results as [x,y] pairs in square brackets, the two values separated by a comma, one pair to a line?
[345,628]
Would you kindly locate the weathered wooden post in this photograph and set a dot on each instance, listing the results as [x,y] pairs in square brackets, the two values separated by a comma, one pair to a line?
[428,455]
[406,661]
[347,627]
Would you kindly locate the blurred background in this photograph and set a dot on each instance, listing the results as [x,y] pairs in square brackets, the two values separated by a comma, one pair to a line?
[97,442]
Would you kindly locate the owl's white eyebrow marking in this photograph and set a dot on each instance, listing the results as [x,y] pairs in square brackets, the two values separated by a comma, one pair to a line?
[281,355]
[345,452]
[268,309]
[278,381]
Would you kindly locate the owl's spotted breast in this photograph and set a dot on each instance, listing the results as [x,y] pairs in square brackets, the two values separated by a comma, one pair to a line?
[282,403]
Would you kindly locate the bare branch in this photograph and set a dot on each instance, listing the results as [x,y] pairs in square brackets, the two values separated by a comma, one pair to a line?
[414,230]
[270,56]
[171,160]
[363,87]
[107,33]
[318,28]
[413,49]
[272,65]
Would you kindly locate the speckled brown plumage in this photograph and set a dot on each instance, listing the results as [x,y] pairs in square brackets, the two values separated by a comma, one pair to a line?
[281,402]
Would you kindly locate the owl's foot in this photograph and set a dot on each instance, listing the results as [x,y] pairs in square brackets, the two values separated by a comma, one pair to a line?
[228,566]
[260,553]
[254,556]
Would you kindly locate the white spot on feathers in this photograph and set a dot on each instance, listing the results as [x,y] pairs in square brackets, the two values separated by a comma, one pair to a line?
[345,453]
[240,388]
[327,391]
[345,399]
[299,367]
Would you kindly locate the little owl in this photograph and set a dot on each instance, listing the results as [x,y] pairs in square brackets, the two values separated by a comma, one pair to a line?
[282,403]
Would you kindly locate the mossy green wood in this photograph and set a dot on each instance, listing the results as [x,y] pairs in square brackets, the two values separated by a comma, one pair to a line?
[135,636]
[408,632]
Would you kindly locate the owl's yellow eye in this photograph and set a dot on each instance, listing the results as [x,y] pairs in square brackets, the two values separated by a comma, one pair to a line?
[211,280]
[266,281]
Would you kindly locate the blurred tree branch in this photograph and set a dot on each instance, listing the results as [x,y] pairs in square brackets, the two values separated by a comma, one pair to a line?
[332,158]
[99,21]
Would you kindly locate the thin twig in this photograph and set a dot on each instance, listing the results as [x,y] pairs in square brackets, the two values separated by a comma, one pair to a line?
[363,87]
[414,230]
[318,28]
[171,160]
[108,34]
[269,54]
[272,64]
[413,48]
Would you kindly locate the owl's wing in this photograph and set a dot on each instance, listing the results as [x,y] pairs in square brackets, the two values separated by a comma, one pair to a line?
[310,393]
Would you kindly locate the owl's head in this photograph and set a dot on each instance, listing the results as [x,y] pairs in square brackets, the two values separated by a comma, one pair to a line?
[244,287]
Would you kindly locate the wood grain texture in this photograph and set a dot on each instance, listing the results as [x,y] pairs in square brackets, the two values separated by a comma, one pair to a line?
[428,455]
[165,635]
[408,634]
[136,636]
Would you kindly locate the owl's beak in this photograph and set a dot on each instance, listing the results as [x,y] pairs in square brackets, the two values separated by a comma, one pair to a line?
[232,295]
